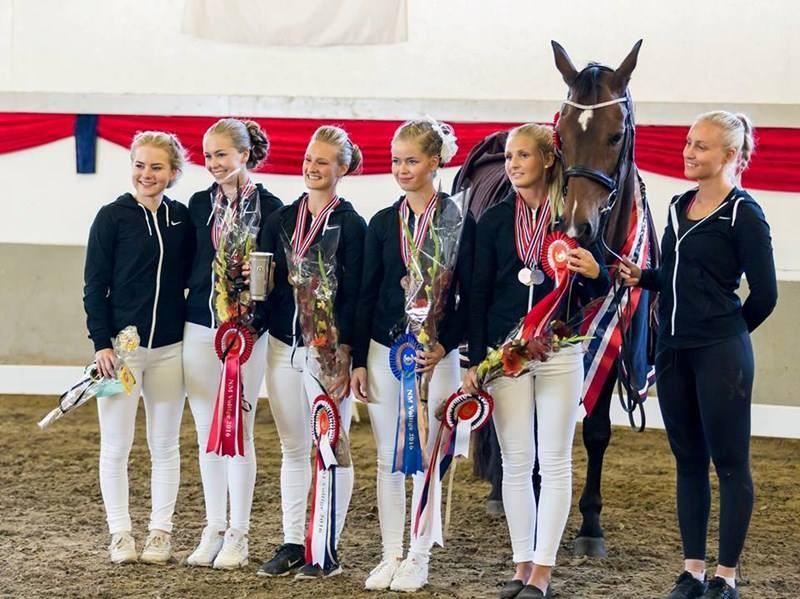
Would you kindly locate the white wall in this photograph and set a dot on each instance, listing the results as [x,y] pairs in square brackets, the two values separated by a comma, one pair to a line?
[52,205]
[695,51]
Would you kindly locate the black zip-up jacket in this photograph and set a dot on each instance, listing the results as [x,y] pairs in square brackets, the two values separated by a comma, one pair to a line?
[198,303]
[134,272]
[498,300]
[702,267]
[381,307]
[280,306]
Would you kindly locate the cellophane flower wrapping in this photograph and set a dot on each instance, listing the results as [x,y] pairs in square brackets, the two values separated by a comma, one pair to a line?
[431,271]
[314,284]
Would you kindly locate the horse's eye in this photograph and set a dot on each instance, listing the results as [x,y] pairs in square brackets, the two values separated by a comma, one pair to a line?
[615,139]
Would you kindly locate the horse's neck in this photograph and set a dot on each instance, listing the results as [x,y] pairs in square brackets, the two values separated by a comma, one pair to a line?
[620,217]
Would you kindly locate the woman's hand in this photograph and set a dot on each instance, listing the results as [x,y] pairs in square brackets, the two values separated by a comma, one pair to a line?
[106,362]
[630,274]
[470,382]
[270,276]
[427,360]
[358,383]
[582,262]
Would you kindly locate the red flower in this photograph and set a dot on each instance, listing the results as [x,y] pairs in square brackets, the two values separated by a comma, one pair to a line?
[512,361]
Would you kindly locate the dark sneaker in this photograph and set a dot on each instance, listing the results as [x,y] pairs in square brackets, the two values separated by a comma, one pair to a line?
[687,587]
[719,589]
[530,591]
[288,558]
[511,589]
[314,571]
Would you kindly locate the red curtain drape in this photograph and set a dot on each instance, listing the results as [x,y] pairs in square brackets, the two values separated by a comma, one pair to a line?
[19,131]
[775,165]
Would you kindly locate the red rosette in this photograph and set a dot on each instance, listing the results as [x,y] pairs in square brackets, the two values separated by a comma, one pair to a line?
[555,253]
[325,420]
[475,409]
[233,339]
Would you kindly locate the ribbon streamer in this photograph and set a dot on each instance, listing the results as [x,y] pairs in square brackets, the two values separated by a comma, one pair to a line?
[408,457]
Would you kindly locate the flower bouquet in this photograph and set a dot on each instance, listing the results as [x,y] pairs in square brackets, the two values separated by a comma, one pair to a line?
[234,231]
[93,384]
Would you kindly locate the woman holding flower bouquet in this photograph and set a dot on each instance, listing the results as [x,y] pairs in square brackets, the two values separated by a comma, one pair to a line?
[511,276]
[315,302]
[138,250]
[227,218]
[394,236]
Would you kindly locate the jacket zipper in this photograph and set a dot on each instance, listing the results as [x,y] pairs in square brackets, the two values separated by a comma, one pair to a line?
[673,213]
[211,292]
[158,278]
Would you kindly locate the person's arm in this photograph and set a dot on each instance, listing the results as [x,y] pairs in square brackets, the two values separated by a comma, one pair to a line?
[354,230]
[372,275]
[267,241]
[97,277]
[590,288]
[754,250]
[483,276]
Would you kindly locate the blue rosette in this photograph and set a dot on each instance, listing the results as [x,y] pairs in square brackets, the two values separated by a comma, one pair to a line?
[408,457]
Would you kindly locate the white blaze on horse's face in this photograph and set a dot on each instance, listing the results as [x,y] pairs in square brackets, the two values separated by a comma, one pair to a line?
[584,118]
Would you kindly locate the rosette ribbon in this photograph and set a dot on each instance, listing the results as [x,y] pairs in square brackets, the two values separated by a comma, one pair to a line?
[408,443]
[462,415]
[555,257]
[233,344]
[321,533]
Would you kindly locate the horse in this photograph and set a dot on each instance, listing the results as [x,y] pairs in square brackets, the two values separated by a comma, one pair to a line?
[596,137]
[605,199]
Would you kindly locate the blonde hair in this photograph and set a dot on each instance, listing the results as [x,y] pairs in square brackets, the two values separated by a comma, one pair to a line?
[245,135]
[737,133]
[542,136]
[349,154]
[434,138]
[163,141]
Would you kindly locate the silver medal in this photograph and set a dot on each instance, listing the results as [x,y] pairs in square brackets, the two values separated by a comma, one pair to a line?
[537,277]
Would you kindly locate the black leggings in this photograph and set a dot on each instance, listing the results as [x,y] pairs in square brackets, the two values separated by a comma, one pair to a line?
[704,395]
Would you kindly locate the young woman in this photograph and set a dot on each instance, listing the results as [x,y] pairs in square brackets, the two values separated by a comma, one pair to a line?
[508,279]
[231,148]
[320,211]
[139,246]
[419,148]
[704,359]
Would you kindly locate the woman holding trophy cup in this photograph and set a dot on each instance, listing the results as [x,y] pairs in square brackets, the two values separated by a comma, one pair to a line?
[138,250]
[318,243]
[222,326]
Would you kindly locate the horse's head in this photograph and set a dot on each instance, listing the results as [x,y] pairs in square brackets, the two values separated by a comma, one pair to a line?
[595,127]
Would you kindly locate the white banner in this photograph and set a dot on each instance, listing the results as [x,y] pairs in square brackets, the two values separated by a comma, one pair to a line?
[308,23]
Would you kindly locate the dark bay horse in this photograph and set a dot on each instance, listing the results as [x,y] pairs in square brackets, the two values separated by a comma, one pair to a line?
[605,198]
[602,190]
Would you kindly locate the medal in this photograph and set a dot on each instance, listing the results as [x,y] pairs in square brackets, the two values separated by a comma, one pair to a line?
[537,277]
[524,276]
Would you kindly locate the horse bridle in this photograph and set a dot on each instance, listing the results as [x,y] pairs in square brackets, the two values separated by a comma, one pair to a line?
[616,180]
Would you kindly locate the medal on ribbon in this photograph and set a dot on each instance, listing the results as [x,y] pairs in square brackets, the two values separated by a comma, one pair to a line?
[408,447]
[321,534]
[529,229]
[233,344]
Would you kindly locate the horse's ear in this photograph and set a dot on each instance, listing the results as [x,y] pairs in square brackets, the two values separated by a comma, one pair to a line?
[563,63]
[624,70]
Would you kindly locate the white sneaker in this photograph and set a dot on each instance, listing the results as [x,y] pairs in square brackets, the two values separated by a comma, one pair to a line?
[210,545]
[234,552]
[411,576]
[123,548]
[157,548]
[381,576]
